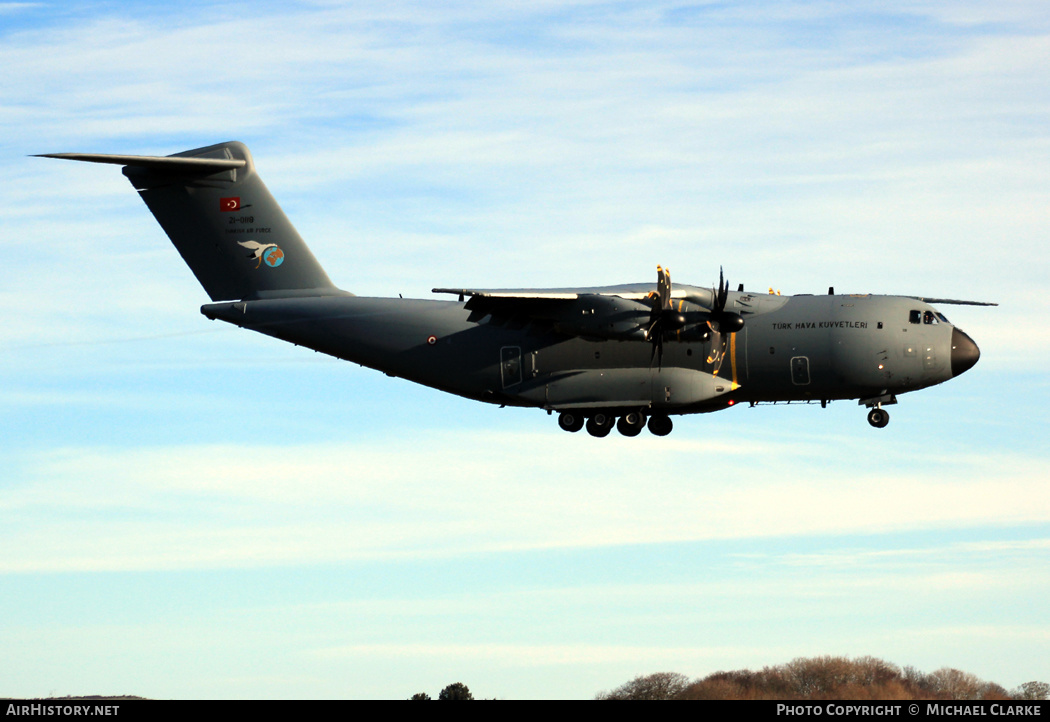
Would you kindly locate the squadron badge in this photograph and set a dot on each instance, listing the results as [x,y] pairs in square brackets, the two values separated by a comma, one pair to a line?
[268,253]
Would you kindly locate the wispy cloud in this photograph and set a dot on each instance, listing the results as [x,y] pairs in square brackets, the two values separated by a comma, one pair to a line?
[538,655]
[158,508]
[815,163]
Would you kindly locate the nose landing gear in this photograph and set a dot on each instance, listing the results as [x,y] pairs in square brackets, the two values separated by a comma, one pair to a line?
[878,417]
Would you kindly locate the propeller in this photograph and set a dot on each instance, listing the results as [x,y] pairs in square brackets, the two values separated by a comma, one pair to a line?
[665,319]
[722,323]
[721,320]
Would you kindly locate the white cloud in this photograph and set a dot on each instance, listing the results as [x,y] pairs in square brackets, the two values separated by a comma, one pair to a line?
[12,8]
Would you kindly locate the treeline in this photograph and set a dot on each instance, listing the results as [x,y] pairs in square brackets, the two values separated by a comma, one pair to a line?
[834,678]
[456,690]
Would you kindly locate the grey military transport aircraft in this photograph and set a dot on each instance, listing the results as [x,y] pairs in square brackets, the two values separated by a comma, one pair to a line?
[630,356]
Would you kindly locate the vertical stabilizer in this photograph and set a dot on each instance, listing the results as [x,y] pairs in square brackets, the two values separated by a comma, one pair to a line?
[222,219]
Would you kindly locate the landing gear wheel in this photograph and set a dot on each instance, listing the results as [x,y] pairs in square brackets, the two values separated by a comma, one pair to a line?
[600,425]
[570,421]
[630,424]
[878,418]
[660,425]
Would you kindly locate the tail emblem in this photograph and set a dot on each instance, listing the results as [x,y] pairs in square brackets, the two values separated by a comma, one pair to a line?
[269,253]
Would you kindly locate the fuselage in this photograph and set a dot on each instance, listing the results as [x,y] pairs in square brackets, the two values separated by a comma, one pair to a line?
[791,348]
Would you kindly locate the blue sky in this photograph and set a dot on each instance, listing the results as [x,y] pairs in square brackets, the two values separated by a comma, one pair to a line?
[190,510]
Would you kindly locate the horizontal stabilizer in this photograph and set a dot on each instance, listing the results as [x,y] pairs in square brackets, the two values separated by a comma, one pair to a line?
[154,162]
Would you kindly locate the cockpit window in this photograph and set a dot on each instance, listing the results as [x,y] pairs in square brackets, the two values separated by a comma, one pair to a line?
[942,317]
[915,316]
[929,317]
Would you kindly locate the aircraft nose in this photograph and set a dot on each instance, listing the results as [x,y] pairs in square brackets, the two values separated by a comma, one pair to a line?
[964,352]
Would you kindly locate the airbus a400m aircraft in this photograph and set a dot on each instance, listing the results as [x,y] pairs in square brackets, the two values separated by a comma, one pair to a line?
[630,356]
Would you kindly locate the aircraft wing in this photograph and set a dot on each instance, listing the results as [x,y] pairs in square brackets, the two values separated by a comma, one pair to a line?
[511,294]
[952,301]
[595,313]
[629,292]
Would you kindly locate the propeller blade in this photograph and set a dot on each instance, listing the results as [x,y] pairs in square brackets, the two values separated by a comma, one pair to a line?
[657,353]
[649,332]
[723,292]
[663,287]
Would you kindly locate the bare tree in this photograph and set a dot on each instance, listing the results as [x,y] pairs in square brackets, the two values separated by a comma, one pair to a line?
[872,671]
[714,688]
[818,676]
[956,684]
[662,685]
[1033,690]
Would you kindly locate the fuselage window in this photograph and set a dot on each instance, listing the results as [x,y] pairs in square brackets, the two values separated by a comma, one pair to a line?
[915,316]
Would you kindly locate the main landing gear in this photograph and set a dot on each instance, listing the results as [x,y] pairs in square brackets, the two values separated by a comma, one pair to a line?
[600,425]
[630,424]
[570,421]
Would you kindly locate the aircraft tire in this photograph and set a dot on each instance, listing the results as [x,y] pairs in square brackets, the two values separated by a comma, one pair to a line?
[878,418]
[600,425]
[570,421]
[631,424]
[660,425]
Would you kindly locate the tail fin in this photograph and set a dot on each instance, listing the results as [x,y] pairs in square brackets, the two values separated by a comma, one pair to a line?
[222,219]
